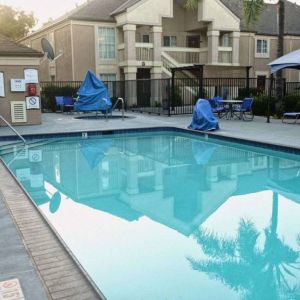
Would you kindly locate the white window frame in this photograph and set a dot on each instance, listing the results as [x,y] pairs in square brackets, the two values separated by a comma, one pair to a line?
[262,55]
[98,43]
[262,73]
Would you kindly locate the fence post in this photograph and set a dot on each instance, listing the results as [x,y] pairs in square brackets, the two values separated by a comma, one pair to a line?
[169,97]
[270,97]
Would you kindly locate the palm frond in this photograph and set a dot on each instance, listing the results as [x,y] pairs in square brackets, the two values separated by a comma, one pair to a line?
[252,10]
[191,4]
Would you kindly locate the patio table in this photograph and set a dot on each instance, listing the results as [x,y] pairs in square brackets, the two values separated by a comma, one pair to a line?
[230,107]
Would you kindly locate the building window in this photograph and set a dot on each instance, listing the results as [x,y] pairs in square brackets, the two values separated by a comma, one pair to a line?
[146,38]
[110,82]
[225,40]
[170,41]
[107,43]
[108,77]
[262,48]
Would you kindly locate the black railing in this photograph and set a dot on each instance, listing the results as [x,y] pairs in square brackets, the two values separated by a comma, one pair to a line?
[159,97]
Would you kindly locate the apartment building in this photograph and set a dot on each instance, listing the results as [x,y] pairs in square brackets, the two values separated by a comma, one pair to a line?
[141,39]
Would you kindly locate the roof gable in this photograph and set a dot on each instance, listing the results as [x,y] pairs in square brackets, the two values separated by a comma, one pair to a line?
[12,48]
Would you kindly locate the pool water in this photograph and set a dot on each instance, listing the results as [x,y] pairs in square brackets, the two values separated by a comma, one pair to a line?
[168,215]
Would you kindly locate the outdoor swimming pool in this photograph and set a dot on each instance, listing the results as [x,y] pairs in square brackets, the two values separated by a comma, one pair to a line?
[171,215]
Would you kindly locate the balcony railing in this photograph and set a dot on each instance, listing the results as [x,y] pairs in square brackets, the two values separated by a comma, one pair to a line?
[144,51]
[225,55]
[187,55]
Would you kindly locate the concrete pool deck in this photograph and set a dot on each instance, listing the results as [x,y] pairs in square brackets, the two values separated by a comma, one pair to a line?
[30,250]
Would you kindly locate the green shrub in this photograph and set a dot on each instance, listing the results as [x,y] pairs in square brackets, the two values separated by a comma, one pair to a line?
[260,105]
[253,92]
[291,102]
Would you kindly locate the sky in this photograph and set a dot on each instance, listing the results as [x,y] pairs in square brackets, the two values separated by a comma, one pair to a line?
[43,10]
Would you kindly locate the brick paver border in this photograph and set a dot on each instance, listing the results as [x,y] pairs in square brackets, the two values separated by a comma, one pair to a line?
[63,278]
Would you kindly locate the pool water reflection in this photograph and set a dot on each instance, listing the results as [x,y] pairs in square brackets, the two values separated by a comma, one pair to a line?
[171,216]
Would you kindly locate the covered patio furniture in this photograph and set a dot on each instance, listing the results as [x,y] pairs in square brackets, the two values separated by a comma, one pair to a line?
[203,117]
[93,95]
[244,110]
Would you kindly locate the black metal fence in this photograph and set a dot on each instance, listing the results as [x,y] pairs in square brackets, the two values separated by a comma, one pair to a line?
[159,97]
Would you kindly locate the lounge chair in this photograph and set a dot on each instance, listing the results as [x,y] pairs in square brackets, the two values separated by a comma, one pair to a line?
[294,115]
[245,110]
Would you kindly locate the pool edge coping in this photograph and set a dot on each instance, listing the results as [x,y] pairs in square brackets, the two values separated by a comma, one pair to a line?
[93,285]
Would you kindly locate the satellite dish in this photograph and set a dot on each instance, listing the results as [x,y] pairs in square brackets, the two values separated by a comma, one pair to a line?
[48,51]
[47,48]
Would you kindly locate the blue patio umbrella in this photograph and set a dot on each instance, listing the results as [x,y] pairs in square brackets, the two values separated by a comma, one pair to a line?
[288,61]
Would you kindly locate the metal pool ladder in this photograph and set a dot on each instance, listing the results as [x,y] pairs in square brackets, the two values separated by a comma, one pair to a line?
[13,129]
[123,106]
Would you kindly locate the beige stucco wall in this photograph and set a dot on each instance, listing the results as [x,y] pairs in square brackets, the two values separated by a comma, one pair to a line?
[62,37]
[17,72]
[35,43]
[84,50]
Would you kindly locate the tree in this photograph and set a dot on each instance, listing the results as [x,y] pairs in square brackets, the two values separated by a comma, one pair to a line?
[15,24]
[244,266]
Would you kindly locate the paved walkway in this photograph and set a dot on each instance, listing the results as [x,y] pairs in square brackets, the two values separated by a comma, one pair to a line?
[15,260]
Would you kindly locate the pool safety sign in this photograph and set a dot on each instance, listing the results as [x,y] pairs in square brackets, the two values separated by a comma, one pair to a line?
[2,90]
[31,76]
[17,85]
[11,290]
[35,156]
[32,102]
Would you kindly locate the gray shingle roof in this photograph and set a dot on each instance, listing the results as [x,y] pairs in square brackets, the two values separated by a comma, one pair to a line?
[104,10]
[267,23]
[124,6]
[11,48]
[97,10]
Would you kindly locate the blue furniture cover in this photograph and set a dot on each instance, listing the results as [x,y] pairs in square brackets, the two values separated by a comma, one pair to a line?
[203,117]
[93,95]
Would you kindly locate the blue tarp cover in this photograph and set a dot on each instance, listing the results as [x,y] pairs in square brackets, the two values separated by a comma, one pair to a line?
[92,95]
[203,117]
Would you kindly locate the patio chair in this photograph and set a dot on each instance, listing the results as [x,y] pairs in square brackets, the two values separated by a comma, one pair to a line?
[60,102]
[68,104]
[244,110]
[218,106]
[294,115]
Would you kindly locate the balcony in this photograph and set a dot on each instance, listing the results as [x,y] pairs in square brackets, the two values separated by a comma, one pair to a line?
[144,52]
[186,56]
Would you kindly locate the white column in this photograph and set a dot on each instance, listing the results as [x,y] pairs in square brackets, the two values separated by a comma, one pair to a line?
[132,175]
[213,45]
[235,36]
[130,86]
[129,42]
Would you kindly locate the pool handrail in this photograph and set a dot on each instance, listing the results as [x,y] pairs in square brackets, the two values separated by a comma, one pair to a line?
[12,128]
